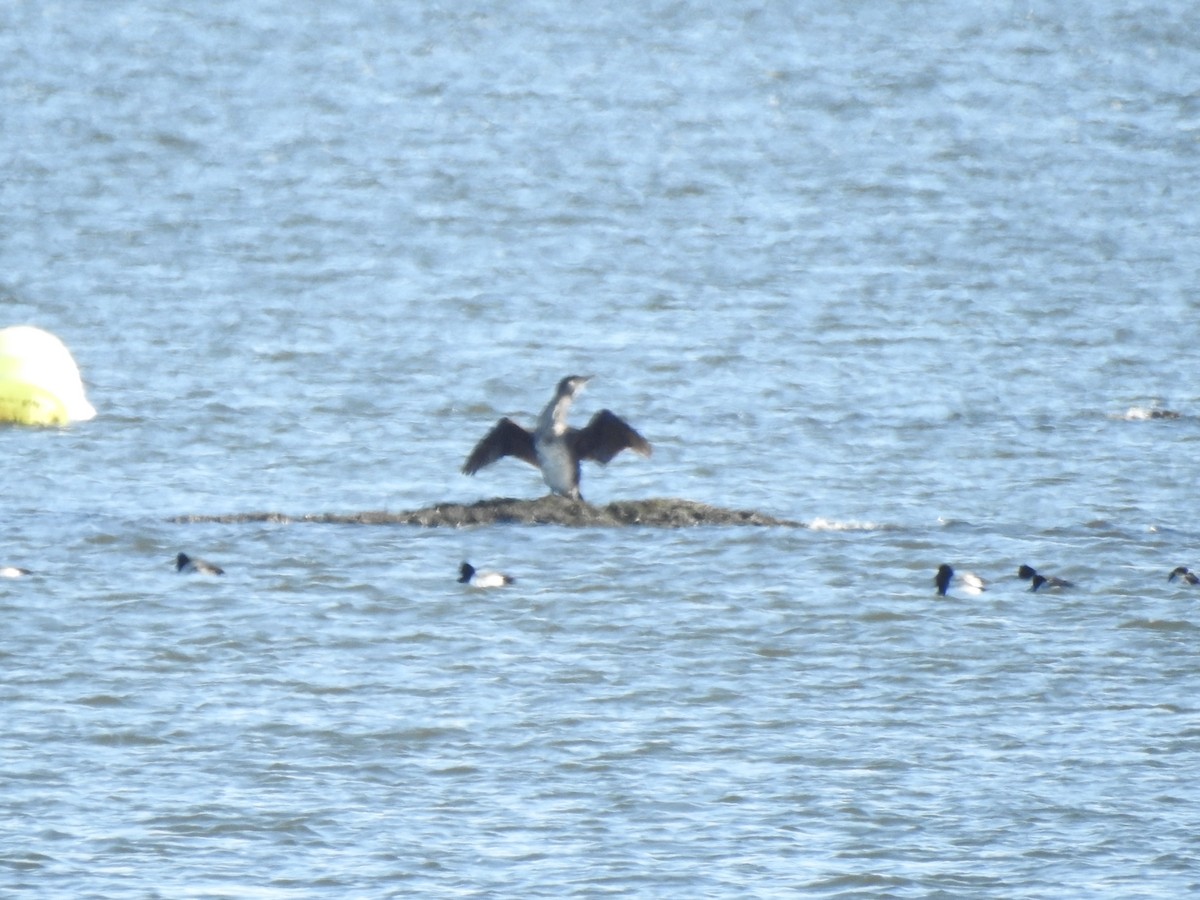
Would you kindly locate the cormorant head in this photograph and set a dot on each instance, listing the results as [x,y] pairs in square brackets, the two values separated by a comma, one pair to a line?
[572,385]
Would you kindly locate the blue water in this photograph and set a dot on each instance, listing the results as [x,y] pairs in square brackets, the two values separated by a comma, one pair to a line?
[913,274]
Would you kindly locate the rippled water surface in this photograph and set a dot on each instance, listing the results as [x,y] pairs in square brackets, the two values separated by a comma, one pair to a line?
[916,275]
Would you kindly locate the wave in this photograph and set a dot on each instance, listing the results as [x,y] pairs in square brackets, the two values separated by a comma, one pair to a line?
[821,524]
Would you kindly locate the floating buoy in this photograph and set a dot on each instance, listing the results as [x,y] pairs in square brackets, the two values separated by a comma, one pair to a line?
[39,381]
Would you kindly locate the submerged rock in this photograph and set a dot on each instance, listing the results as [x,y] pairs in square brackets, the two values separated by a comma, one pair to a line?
[549,510]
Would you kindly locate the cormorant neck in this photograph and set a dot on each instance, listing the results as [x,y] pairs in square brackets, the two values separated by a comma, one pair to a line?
[554,417]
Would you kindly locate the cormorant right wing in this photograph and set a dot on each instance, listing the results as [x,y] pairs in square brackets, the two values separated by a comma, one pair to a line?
[606,435]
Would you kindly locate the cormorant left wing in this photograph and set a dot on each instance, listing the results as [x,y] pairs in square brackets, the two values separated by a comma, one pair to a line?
[606,435]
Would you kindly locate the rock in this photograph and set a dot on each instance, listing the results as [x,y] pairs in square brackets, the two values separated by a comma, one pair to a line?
[549,510]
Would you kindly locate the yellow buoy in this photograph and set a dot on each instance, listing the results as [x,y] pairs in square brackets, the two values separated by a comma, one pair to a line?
[39,381]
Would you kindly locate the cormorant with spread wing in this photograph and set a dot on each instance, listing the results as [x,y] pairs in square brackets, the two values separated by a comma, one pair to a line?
[555,447]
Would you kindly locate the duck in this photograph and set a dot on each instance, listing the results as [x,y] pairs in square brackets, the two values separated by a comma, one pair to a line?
[1143,413]
[967,582]
[191,565]
[1028,573]
[555,447]
[467,574]
[1184,574]
[13,572]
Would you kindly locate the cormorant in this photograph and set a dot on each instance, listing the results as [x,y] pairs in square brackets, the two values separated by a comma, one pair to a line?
[555,447]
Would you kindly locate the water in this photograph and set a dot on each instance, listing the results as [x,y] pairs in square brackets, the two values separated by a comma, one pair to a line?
[897,271]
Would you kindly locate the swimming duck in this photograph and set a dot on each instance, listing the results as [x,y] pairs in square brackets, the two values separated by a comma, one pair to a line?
[967,582]
[1047,581]
[185,563]
[555,447]
[1142,413]
[1184,574]
[13,572]
[467,574]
